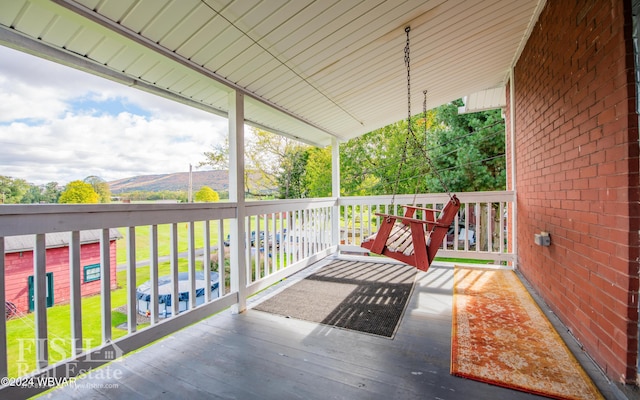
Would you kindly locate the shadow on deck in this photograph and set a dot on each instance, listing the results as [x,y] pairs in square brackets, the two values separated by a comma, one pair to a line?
[257,355]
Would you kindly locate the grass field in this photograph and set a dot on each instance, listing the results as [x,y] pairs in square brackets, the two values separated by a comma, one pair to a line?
[21,331]
[164,239]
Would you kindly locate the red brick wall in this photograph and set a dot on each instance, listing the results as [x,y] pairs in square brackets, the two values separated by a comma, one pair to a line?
[19,266]
[577,174]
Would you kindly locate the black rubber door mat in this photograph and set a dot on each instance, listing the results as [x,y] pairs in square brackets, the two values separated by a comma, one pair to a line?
[364,297]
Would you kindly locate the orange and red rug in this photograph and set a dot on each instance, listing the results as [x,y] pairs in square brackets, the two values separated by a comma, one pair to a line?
[500,336]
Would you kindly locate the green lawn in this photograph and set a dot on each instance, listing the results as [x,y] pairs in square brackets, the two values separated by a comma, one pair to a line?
[21,331]
[164,239]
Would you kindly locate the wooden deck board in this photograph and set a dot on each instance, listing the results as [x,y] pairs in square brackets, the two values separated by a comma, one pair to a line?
[257,355]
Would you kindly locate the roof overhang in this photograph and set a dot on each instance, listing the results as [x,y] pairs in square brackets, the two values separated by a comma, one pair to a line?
[309,70]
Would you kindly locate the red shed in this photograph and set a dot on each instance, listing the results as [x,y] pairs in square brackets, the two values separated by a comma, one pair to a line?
[19,267]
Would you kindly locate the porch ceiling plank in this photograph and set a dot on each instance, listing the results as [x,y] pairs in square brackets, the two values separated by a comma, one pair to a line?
[265,13]
[61,31]
[330,68]
[185,83]
[219,50]
[238,53]
[272,79]
[137,18]
[156,72]
[33,20]
[171,78]
[11,11]
[199,35]
[293,29]
[358,33]
[142,66]
[313,28]
[161,26]
[251,77]
[182,30]
[271,27]
[200,89]
[106,50]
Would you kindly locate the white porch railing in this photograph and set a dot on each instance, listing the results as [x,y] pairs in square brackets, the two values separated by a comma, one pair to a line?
[480,231]
[282,237]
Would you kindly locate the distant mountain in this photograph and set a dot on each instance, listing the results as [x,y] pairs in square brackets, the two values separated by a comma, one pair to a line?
[216,180]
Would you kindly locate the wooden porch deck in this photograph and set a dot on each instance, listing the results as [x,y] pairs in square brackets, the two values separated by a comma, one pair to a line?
[257,355]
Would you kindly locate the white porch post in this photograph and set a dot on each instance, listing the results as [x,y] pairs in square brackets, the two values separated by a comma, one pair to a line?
[236,194]
[335,191]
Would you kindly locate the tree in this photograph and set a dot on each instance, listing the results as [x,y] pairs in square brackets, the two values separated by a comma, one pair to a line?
[291,181]
[33,195]
[101,187]
[265,155]
[380,162]
[51,192]
[468,150]
[318,172]
[12,190]
[207,195]
[79,192]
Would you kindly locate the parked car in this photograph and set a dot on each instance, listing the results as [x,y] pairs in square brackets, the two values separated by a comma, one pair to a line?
[463,235]
[227,241]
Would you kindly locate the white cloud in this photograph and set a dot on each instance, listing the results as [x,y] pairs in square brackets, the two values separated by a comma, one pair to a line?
[45,137]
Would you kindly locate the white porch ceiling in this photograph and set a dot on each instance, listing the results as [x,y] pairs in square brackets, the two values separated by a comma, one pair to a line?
[309,69]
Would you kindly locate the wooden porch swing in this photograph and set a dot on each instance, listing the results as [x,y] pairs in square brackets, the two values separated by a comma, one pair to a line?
[410,240]
[406,238]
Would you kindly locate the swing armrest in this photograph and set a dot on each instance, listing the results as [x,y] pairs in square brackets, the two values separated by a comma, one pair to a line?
[407,220]
[422,208]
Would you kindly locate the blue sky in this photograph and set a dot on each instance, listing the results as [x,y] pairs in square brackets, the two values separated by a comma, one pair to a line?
[92,104]
[59,125]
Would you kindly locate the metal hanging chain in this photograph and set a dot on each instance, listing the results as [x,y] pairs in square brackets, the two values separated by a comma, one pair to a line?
[403,159]
[424,130]
[407,61]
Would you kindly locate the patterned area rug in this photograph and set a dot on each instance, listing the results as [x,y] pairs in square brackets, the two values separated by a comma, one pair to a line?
[365,297]
[500,336]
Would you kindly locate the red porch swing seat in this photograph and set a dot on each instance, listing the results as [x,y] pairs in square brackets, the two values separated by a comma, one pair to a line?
[410,240]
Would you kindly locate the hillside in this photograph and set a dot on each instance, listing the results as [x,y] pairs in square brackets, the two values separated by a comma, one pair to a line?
[216,180]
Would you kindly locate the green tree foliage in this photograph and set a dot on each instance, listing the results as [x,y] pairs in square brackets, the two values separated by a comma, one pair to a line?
[370,164]
[264,153]
[291,181]
[51,192]
[79,192]
[317,176]
[468,150]
[33,195]
[206,195]
[12,190]
[101,187]
[465,152]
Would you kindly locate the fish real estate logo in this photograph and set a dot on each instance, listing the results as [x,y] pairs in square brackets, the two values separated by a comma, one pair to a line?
[79,372]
